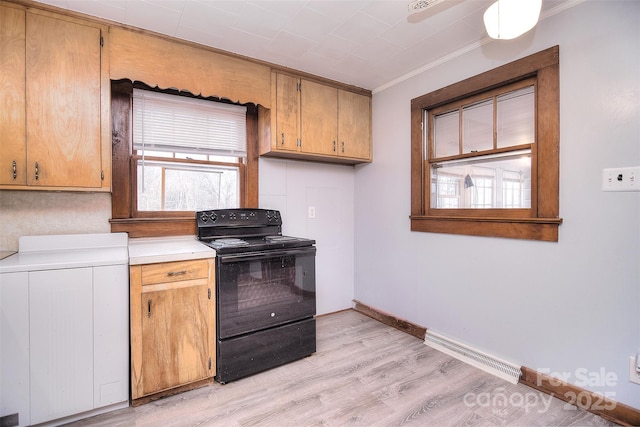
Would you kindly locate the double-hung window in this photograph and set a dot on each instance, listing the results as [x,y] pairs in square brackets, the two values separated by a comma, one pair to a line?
[189,153]
[480,149]
[174,153]
[485,153]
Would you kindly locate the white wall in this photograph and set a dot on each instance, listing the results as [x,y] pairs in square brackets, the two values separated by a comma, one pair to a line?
[560,306]
[291,187]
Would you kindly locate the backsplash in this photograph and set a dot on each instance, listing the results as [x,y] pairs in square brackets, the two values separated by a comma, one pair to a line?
[28,213]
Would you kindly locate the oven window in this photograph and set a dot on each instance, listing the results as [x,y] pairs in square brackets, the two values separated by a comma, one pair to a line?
[254,294]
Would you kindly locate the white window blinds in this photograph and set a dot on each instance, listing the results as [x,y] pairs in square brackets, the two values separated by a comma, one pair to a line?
[163,122]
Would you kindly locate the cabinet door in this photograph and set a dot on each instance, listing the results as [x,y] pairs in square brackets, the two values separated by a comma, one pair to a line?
[61,339]
[354,125]
[319,118]
[62,103]
[14,346]
[175,335]
[13,150]
[287,112]
[111,335]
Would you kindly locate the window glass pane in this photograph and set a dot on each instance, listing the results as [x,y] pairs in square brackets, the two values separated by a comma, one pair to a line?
[494,181]
[477,127]
[191,156]
[149,187]
[186,187]
[516,118]
[447,134]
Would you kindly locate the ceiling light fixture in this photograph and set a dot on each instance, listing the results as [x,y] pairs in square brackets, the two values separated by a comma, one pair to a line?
[508,19]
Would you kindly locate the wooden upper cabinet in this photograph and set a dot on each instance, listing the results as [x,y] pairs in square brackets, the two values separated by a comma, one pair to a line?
[63,103]
[13,149]
[318,118]
[354,125]
[315,121]
[56,132]
[287,107]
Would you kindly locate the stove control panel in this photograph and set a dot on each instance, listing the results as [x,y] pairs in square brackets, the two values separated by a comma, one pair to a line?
[241,217]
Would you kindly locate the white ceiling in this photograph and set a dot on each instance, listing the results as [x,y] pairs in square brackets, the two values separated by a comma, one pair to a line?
[367,43]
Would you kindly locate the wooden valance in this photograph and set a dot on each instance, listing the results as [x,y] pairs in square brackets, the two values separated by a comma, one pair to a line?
[168,64]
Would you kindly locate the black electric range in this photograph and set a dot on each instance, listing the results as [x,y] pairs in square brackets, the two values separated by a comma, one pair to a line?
[265,291]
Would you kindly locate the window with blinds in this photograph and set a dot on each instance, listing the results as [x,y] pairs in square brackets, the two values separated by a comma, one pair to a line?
[188,152]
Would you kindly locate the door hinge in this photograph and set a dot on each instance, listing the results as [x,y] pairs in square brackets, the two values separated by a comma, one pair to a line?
[299,86]
[209,293]
[210,363]
[102,175]
[101,41]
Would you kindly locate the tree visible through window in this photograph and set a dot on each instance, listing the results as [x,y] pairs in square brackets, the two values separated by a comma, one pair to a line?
[188,152]
[174,153]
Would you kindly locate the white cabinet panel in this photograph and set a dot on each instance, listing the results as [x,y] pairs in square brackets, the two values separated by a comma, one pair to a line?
[14,350]
[111,333]
[64,343]
[61,338]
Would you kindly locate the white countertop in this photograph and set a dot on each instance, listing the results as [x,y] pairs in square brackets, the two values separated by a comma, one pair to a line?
[149,250]
[54,252]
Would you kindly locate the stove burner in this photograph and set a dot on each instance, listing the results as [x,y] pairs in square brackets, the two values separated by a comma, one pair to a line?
[279,238]
[229,243]
[232,242]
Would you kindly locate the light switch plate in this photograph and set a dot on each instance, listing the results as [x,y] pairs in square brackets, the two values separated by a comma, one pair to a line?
[621,179]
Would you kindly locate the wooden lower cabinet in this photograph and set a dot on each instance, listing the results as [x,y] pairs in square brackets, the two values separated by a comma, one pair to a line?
[172,326]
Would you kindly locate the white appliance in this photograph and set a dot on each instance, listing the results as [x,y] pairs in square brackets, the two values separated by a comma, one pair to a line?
[64,351]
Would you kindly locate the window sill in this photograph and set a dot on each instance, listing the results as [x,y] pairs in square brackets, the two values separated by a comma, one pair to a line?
[544,229]
[155,227]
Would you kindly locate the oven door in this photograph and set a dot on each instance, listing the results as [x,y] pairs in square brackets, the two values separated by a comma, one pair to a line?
[259,290]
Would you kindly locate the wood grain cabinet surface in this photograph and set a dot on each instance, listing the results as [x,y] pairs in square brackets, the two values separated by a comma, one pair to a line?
[172,326]
[54,77]
[315,121]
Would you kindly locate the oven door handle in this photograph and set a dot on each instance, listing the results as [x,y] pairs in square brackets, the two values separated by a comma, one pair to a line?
[256,256]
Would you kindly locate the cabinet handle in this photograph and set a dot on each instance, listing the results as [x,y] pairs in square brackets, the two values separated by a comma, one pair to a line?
[334,146]
[177,273]
[15,167]
[148,308]
[343,146]
[282,138]
[37,173]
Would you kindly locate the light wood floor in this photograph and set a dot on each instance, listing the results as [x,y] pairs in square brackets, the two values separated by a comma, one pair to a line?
[364,373]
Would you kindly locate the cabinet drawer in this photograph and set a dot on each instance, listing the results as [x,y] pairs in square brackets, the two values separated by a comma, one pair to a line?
[174,271]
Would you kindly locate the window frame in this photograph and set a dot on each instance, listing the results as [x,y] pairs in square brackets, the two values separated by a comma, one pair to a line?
[542,220]
[137,158]
[124,216]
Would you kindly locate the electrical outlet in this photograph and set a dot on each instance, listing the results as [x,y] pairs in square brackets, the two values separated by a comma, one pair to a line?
[621,179]
[634,374]
[311,212]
